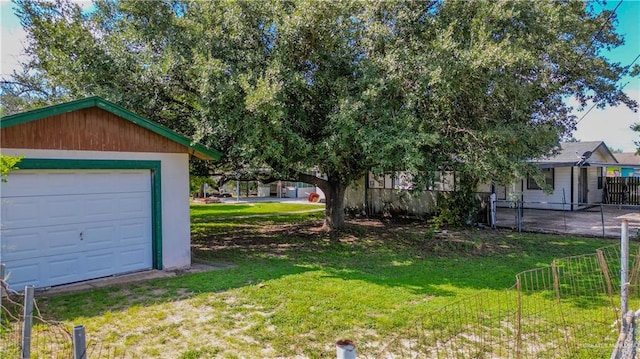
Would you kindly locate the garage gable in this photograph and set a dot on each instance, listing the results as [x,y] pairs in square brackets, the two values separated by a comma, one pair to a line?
[94,124]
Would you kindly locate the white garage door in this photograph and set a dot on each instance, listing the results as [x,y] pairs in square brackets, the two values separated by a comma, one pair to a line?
[64,226]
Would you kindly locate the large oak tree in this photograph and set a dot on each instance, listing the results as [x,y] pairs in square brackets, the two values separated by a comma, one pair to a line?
[345,87]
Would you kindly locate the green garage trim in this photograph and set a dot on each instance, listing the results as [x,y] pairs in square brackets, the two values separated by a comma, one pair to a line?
[86,164]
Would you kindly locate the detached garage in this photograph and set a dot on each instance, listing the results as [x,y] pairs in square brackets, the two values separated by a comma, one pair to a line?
[100,191]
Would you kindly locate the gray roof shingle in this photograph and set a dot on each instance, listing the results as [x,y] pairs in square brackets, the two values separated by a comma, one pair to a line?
[570,153]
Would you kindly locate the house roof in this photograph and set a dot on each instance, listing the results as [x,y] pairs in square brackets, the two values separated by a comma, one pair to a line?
[571,153]
[628,158]
[199,150]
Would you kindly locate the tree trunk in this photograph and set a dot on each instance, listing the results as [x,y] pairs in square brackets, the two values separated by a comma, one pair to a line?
[334,190]
[334,212]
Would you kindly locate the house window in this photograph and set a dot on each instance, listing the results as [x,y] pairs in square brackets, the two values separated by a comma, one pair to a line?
[548,179]
[402,180]
[600,171]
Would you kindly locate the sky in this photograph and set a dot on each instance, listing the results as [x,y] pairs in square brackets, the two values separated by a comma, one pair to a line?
[610,124]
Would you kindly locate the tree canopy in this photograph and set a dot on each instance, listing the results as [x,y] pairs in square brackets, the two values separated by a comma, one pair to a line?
[345,87]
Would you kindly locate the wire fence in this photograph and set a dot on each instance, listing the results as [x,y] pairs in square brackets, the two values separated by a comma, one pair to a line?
[597,220]
[24,331]
[626,346]
[569,309]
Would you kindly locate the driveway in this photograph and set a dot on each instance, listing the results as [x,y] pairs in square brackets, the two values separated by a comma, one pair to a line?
[588,222]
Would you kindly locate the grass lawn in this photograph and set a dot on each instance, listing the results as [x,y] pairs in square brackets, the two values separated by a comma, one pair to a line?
[294,290]
[208,212]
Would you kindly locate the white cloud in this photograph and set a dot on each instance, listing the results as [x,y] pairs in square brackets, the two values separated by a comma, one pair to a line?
[610,125]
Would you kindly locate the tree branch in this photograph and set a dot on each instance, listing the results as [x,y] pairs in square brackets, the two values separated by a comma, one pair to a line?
[296,177]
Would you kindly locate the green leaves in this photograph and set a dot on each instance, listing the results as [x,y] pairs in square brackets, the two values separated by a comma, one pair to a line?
[473,86]
[7,164]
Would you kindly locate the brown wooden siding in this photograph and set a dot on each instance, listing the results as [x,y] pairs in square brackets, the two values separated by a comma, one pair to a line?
[91,129]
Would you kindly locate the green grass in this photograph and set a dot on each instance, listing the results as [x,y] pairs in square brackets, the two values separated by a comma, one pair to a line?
[294,290]
[212,211]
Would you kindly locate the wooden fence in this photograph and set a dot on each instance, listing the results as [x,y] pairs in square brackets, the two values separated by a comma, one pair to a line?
[622,190]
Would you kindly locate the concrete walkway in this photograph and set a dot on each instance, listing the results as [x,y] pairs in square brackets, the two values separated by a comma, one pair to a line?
[197,266]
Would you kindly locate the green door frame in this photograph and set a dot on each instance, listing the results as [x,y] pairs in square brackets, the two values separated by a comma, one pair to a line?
[85,164]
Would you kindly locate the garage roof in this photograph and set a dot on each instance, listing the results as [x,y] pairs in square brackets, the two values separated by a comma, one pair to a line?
[199,150]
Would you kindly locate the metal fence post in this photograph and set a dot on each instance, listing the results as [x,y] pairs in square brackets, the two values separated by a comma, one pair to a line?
[632,335]
[1,286]
[79,342]
[345,349]
[518,217]
[564,213]
[518,318]
[2,269]
[28,321]
[602,218]
[493,210]
[519,214]
[624,269]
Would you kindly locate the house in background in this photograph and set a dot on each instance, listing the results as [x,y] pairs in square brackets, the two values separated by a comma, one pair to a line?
[628,165]
[575,175]
[287,189]
[393,194]
[100,191]
[622,182]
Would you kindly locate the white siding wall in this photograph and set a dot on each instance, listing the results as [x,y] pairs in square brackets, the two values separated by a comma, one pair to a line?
[540,199]
[595,194]
[599,156]
[381,199]
[562,180]
[176,235]
[354,196]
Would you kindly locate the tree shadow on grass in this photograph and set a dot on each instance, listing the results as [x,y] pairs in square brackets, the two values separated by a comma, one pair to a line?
[407,256]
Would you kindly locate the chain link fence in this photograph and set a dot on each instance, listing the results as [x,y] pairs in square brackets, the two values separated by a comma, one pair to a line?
[600,220]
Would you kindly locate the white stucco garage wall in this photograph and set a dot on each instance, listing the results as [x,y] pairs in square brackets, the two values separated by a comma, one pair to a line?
[176,236]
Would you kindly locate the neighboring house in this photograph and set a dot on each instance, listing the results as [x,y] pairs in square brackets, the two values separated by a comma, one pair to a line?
[287,189]
[628,165]
[392,194]
[575,175]
[623,180]
[101,191]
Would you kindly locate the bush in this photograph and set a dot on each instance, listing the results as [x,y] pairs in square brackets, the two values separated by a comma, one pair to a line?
[457,208]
